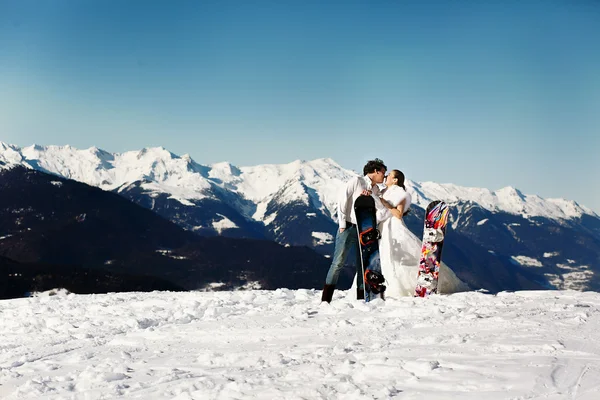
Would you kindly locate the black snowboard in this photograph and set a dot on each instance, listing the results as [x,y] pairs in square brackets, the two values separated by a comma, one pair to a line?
[368,235]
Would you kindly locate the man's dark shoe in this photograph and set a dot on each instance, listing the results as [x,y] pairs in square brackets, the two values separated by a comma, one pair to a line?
[327,293]
[360,294]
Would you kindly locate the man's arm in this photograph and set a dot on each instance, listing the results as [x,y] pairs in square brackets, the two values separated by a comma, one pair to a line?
[382,212]
[344,201]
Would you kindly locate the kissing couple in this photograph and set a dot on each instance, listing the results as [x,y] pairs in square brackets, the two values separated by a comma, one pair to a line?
[398,247]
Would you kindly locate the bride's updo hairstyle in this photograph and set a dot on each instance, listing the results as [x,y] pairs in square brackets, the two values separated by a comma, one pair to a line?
[400,176]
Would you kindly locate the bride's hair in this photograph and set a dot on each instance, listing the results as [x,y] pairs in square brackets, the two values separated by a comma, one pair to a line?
[400,176]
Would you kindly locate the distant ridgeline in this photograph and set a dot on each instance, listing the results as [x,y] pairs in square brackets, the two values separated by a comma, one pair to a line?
[503,240]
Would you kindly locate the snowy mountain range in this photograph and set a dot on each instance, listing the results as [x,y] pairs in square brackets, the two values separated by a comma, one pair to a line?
[162,172]
[553,242]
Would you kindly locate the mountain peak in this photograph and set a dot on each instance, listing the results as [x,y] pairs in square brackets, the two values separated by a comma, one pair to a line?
[325,160]
[38,147]
[9,155]
[156,152]
[102,155]
[224,168]
[510,191]
[7,146]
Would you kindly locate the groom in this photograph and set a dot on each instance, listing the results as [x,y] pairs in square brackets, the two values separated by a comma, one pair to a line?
[347,236]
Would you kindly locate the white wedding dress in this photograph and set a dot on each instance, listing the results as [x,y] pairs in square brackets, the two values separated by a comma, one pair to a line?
[400,250]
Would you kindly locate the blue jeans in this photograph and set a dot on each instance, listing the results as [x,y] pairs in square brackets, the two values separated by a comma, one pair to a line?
[344,242]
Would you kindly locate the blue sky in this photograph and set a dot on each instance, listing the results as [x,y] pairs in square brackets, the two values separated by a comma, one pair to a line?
[476,93]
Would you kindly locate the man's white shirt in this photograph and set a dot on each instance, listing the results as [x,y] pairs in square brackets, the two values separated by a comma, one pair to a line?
[354,189]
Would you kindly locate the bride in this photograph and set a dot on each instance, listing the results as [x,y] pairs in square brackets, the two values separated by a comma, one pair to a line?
[400,249]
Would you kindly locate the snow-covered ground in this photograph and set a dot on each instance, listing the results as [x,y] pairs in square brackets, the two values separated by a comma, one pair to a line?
[286,345]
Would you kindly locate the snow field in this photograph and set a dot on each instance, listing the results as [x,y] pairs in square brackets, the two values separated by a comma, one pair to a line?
[285,344]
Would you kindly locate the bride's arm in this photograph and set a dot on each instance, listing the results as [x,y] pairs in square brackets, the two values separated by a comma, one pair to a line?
[396,211]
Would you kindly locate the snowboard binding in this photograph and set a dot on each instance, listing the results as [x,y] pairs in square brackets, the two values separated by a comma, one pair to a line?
[374,281]
[433,235]
[369,236]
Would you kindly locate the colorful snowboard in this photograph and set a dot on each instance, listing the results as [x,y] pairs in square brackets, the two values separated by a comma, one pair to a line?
[436,218]
[368,236]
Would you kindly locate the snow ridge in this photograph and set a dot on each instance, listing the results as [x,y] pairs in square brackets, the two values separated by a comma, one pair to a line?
[318,181]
